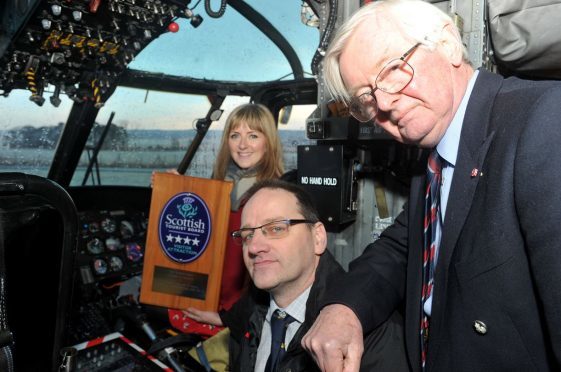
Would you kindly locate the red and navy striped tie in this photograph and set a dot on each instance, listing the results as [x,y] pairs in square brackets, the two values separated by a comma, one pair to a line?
[432,216]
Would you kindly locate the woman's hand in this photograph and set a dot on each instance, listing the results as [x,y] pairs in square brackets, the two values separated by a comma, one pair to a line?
[201,316]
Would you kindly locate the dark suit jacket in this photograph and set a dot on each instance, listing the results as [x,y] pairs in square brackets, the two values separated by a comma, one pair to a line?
[385,344]
[500,255]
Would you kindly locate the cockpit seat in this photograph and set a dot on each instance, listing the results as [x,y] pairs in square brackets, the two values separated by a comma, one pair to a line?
[38,233]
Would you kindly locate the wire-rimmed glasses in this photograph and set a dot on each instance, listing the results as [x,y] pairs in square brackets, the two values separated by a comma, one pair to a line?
[392,78]
[270,230]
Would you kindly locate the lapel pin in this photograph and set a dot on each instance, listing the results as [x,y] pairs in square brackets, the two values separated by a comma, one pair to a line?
[474,172]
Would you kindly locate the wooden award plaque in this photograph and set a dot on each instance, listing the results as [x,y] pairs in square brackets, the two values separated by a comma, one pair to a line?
[186,242]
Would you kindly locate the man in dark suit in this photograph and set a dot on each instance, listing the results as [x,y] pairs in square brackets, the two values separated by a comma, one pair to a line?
[284,248]
[492,301]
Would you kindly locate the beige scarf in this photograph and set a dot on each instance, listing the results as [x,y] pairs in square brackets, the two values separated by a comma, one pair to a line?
[243,179]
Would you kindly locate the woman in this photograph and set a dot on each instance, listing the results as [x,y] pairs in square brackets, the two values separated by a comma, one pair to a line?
[250,151]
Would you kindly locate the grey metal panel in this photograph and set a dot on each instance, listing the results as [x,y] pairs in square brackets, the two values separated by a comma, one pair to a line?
[474,32]
[349,243]
[470,18]
[344,10]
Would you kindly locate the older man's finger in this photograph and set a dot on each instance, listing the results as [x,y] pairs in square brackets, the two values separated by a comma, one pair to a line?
[353,357]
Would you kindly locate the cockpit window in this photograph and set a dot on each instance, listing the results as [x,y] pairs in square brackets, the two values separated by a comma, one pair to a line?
[29,133]
[151,131]
[230,47]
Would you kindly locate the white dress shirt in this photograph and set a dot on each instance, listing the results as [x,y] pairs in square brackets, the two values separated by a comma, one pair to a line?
[297,310]
[447,148]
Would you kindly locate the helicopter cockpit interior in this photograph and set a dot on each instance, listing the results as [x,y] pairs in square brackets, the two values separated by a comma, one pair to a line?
[95,95]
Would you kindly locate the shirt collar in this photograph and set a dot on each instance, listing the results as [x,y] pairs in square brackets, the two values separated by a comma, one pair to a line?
[296,309]
[448,146]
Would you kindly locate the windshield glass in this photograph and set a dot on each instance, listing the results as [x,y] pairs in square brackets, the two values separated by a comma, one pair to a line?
[230,47]
[149,131]
[145,136]
[29,133]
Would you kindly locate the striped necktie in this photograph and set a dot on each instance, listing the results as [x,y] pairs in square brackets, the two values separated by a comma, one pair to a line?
[432,216]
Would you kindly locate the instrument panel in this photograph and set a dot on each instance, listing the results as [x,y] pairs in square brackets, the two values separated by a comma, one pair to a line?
[111,244]
[79,48]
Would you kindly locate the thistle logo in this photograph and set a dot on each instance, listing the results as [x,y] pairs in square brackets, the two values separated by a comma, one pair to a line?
[187,210]
[184,227]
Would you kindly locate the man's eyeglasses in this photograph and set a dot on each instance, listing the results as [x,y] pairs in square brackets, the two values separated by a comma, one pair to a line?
[393,78]
[270,230]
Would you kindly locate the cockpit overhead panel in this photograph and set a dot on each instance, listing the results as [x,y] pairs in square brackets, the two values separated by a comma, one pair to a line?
[80,47]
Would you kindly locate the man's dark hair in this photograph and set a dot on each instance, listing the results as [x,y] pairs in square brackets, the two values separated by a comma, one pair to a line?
[305,204]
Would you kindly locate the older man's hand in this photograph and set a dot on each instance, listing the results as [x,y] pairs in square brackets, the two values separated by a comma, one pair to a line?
[335,340]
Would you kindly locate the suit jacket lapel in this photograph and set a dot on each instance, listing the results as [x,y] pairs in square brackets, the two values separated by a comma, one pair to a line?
[474,144]
[414,272]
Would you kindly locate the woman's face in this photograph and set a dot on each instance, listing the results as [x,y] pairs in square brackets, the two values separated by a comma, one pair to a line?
[247,146]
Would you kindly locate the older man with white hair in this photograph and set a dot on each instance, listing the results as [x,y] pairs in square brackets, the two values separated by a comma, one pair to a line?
[476,254]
